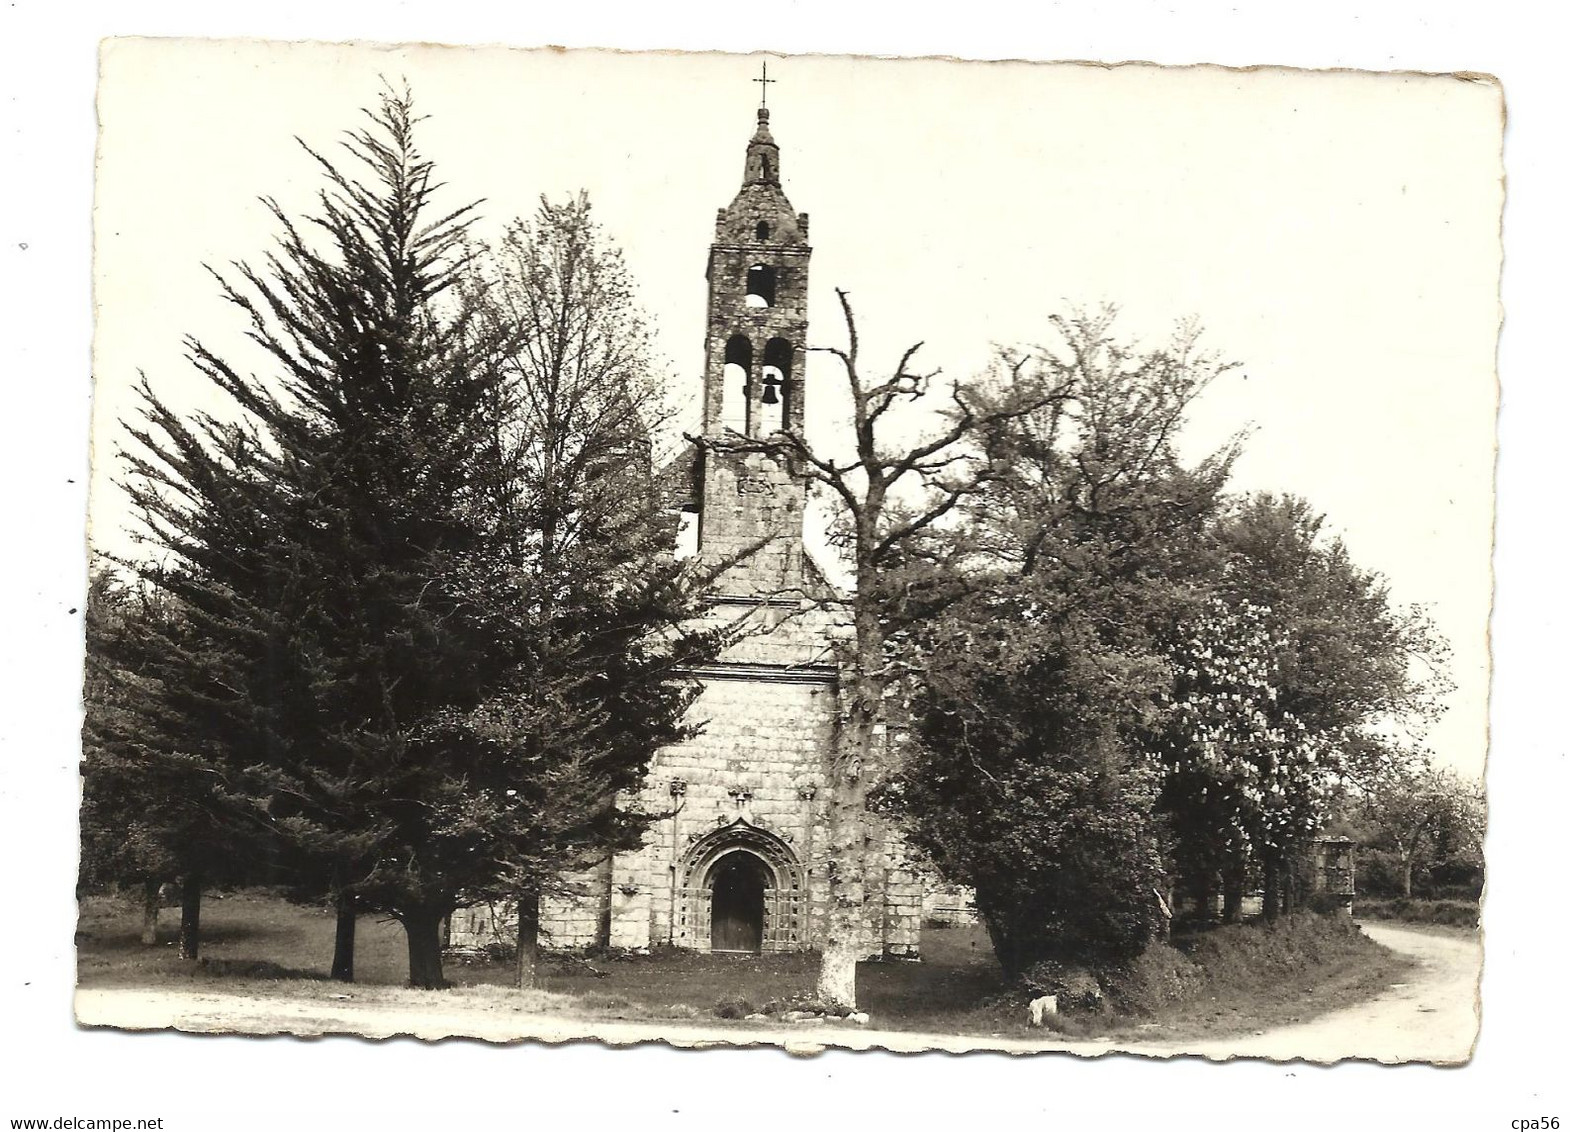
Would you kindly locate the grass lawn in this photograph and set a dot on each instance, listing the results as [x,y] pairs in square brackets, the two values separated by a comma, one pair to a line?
[244,935]
[257,945]
[1252,983]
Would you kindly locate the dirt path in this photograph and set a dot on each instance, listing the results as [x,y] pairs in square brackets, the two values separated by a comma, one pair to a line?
[1432,1017]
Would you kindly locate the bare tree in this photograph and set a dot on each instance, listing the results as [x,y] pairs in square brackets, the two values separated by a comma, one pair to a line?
[892,500]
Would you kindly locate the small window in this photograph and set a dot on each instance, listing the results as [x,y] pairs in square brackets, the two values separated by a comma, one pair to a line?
[763,230]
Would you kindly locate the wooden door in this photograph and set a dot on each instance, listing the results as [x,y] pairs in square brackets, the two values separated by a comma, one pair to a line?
[739,881]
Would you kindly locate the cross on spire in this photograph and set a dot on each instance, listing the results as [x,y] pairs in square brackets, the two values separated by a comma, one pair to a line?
[763,85]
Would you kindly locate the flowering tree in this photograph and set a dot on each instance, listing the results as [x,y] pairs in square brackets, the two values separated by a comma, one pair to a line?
[1297,678]
[1247,779]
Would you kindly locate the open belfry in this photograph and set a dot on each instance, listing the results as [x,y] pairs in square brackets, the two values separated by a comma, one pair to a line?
[739,864]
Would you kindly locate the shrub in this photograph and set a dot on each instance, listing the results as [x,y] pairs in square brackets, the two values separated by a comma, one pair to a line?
[500,951]
[1469,889]
[1076,987]
[1159,976]
[809,1003]
[733,1008]
[1325,903]
[1252,955]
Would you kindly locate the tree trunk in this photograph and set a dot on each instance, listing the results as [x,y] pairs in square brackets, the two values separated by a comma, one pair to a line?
[528,939]
[150,889]
[190,916]
[1272,869]
[343,940]
[1003,949]
[844,943]
[602,927]
[1206,895]
[846,875]
[1406,873]
[1232,882]
[422,928]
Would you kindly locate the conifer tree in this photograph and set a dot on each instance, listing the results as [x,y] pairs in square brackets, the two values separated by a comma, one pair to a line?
[154,806]
[361,546]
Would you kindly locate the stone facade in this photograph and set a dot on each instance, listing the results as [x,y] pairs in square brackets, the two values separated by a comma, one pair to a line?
[739,863]
[947,905]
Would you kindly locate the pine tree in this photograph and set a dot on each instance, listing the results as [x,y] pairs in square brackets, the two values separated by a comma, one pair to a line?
[362,547]
[154,806]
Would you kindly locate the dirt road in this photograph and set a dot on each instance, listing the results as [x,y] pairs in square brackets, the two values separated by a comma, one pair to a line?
[1432,1017]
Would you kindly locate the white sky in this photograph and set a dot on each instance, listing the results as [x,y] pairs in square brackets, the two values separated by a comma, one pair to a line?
[1337,233]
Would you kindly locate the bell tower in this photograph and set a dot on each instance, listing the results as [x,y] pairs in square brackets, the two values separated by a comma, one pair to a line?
[752,383]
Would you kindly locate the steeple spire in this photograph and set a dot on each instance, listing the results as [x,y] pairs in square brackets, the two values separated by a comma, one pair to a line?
[763,155]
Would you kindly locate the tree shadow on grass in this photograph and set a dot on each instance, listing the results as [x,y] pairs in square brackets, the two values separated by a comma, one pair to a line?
[257,969]
[129,939]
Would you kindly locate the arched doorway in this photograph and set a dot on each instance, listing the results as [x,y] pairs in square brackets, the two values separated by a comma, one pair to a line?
[738,882]
[740,889]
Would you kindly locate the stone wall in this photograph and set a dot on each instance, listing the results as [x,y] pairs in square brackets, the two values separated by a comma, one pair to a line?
[748,497]
[947,904]
[568,920]
[483,925]
[758,759]
[578,919]
[894,890]
[768,714]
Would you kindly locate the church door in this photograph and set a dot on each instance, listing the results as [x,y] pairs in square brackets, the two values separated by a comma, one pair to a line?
[739,882]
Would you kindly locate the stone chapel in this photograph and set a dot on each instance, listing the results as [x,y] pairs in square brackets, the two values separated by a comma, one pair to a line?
[738,866]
